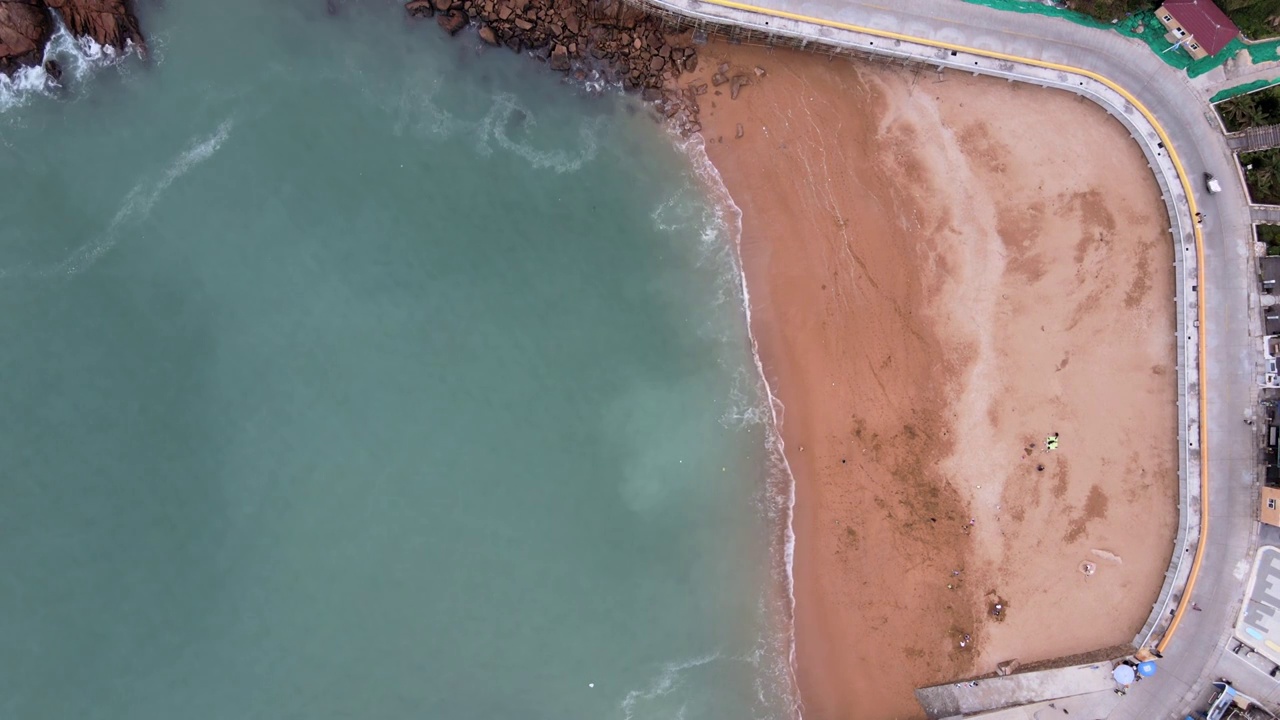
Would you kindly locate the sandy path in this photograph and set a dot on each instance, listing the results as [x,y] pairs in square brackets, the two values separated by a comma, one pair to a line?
[942,274]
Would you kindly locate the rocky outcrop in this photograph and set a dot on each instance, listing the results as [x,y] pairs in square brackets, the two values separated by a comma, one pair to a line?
[25,27]
[610,37]
[109,22]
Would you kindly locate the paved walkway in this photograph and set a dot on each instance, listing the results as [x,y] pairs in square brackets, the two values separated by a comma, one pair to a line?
[1255,138]
[1193,657]
[1265,214]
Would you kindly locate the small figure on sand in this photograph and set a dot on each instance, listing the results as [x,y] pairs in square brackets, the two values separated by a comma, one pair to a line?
[1051,442]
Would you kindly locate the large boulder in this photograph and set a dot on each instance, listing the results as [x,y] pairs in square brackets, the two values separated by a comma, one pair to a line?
[24,28]
[452,21]
[560,58]
[108,22]
[420,8]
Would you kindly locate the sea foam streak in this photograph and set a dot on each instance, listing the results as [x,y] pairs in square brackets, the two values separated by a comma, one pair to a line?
[780,496]
[670,678]
[137,205]
[506,112]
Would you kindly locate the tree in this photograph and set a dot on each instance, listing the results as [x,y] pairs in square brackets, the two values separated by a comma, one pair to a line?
[1241,112]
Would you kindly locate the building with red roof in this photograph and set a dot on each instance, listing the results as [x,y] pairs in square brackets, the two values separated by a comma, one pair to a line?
[1199,26]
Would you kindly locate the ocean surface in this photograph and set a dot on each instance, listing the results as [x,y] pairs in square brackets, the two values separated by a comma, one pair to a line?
[354,371]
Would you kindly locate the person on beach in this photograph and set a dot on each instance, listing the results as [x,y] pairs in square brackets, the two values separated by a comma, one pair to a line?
[1051,442]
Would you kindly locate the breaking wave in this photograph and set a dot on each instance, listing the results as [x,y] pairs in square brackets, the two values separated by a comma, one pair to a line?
[752,404]
[79,58]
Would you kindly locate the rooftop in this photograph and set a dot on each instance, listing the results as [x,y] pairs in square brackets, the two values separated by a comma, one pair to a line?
[1205,21]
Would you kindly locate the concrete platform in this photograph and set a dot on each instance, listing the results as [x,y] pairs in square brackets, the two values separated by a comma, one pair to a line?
[970,699]
[1089,707]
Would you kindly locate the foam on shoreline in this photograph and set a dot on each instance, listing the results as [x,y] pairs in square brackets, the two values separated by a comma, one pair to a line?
[780,501]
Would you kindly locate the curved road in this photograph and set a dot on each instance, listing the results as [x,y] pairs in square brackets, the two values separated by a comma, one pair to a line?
[1192,653]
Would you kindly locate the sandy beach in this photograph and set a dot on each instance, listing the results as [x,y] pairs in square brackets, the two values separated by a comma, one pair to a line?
[945,270]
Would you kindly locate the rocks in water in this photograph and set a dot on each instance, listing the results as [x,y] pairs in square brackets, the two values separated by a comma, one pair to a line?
[560,58]
[108,22]
[451,21]
[611,38]
[53,69]
[420,8]
[26,25]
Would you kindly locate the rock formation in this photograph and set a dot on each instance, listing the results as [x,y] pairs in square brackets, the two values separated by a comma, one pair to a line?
[25,27]
[625,44]
[109,22]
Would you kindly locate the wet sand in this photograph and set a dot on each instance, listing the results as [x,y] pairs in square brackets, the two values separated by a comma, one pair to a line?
[944,270]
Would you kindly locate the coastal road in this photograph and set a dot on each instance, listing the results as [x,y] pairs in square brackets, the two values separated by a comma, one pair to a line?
[1194,654]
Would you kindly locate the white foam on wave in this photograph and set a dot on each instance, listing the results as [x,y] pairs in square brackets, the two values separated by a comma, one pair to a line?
[79,58]
[136,206]
[780,496]
[506,110]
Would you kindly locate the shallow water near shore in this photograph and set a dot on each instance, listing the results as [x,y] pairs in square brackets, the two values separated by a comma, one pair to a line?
[352,371]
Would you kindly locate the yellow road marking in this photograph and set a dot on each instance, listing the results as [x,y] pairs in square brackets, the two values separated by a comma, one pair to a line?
[1202,375]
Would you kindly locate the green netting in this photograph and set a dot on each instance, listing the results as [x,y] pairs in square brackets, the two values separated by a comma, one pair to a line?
[1036,8]
[1243,89]
[1152,33]
[1264,51]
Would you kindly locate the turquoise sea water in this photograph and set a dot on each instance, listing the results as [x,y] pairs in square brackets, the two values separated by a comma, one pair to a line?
[350,371]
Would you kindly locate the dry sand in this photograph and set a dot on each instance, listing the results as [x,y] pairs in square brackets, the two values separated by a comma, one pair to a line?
[943,271]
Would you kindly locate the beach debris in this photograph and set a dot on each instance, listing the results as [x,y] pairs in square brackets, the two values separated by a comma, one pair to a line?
[739,132]
[759,71]
[1007,667]
[1088,568]
[1040,467]
[591,685]
[1107,555]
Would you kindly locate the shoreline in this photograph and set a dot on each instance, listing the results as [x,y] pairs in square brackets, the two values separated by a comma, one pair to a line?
[695,149]
[832,689]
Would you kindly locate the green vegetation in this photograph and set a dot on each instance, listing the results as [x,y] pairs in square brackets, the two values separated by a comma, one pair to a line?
[1262,175]
[1255,18]
[1270,234]
[1252,110]
[1108,10]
